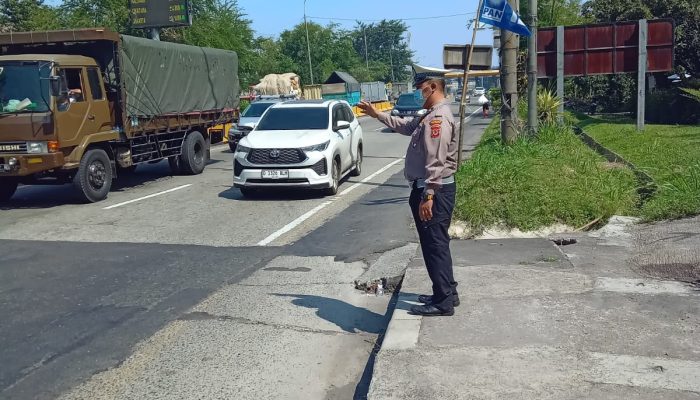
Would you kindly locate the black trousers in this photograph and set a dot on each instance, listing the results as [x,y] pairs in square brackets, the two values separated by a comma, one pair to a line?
[435,243]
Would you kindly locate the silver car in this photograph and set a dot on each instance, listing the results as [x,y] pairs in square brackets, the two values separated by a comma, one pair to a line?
[248,121]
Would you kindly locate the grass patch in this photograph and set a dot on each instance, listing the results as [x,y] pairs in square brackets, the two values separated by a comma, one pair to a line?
[537,182]
[670,154]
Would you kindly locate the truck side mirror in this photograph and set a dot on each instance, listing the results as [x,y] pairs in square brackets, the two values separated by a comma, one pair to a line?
[55,83]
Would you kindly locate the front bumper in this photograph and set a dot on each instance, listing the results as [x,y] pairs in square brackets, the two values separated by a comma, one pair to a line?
[305,175]
[29,164]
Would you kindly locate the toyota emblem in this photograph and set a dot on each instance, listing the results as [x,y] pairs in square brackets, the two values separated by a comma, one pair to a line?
[274,153]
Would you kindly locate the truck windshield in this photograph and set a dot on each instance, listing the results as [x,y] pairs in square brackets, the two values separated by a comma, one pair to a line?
[294,118]
[20,81]
[255,110]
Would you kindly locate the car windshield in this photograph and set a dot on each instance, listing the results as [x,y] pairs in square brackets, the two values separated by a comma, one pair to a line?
[294,118]
[407,100]
[255,110]
[20,81]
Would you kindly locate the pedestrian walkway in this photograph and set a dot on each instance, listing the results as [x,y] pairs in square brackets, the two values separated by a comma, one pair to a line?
[590,320]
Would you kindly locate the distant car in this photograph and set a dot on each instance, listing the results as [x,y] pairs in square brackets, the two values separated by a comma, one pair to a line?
[478,91]
[248,121]
[302,144]
[406,106]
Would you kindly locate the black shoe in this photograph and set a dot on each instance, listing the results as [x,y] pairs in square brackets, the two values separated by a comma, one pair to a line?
[428,299]
[431,311]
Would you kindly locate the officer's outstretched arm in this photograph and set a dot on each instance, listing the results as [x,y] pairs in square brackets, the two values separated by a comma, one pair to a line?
[400,125]
[436,136]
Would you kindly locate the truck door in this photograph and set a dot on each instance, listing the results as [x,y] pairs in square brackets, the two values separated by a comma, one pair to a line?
[85,110]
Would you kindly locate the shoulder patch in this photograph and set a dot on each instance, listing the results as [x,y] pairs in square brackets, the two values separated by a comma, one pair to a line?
[435,127]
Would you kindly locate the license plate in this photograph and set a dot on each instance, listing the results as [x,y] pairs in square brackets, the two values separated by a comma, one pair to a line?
[275,174]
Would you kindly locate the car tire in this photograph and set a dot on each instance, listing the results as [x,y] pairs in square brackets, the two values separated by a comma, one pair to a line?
[194,154]
[94,176]
[8,187]
[357,170]
[335,179]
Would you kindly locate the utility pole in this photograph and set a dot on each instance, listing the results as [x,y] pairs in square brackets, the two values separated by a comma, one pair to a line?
[308,45]
[366,56]
[391,61]
[509,82]
[532,71]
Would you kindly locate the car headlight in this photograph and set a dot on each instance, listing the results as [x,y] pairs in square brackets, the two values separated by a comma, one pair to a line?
[242,149]
[37,147]
[422,112]
[318,147]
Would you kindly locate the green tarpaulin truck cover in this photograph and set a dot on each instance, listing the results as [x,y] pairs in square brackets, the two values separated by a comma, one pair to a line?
[163,78]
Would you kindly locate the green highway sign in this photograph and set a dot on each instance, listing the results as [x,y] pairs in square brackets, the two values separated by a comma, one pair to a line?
[159,13]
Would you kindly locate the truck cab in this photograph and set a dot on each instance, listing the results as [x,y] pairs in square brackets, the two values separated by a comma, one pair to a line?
[51,108]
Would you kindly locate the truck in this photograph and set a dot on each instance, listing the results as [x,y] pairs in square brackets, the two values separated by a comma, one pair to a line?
[86,106]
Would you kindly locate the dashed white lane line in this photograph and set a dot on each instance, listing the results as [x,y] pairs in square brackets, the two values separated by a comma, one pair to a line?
[323,205]
[146,197]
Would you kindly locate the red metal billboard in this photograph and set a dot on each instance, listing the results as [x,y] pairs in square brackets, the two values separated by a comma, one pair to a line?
[605,49]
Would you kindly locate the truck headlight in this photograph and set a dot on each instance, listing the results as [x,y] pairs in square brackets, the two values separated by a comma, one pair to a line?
[317,147]
[394,112]
[37,147]
[422,112]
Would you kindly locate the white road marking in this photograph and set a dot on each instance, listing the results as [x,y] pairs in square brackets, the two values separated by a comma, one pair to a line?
[294,224]
[367,179]
[321,206]
[147,197]
[467,119]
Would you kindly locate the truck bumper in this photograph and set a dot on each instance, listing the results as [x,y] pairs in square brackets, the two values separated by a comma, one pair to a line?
[29,164]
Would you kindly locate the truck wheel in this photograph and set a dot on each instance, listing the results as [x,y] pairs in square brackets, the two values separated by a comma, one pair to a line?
[174,163]
[194,154]
[94,177]
[7,189]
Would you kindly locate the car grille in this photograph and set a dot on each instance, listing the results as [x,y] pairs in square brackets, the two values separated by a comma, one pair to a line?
[283,156]
[13,147]
[320,167]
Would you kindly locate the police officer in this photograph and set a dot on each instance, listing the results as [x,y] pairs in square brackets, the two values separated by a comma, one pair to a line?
[431,161]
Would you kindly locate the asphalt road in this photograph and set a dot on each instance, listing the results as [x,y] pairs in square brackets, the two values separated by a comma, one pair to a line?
[116,296]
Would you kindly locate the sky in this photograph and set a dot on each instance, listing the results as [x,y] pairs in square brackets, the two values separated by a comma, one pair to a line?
[427,36]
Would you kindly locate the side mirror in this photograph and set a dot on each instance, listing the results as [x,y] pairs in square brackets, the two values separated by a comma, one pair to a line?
[55,83]
[341,125]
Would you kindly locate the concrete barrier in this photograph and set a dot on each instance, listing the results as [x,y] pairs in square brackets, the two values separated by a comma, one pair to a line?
[381,106]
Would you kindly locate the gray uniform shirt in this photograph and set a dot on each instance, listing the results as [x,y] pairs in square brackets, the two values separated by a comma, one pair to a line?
[432,153]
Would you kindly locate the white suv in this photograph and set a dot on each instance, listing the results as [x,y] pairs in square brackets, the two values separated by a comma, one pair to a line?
[305,144]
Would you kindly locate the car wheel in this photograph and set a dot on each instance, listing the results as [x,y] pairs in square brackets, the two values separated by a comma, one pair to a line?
[335,179]
[8,187]
[357,171]
[94,176]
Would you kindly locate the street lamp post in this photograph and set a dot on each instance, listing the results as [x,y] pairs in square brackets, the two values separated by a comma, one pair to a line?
[308,45]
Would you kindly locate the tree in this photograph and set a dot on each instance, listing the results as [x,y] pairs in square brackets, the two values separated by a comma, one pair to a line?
[27,15]
[385,46]
[331,49]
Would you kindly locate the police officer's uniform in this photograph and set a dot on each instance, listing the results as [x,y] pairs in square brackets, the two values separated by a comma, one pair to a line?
[431,162]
